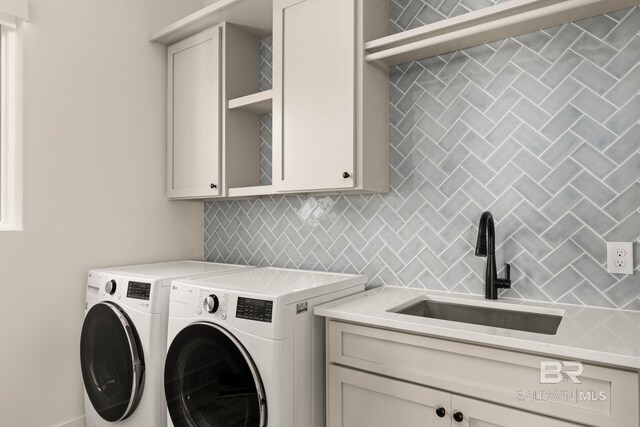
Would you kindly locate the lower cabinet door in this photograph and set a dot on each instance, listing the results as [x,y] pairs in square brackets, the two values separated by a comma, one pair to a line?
[475,413]
[359,399]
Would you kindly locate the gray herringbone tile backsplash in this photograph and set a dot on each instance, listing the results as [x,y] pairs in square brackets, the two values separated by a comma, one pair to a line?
[541,129]
[266,58]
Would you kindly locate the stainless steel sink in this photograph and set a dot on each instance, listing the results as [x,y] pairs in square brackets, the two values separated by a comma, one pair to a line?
[500,318]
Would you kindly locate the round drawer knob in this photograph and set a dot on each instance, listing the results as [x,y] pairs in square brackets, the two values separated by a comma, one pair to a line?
[345,175]
[458,416]
[213,185]
[441,412]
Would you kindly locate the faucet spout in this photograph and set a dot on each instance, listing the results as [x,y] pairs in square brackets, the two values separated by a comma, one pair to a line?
[486,247]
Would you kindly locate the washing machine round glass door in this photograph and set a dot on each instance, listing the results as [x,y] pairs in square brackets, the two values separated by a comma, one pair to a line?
[112,362]
[211,380]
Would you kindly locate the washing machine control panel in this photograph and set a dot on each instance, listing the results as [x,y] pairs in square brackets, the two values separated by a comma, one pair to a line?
[139,290]
[124,290]
[254,309]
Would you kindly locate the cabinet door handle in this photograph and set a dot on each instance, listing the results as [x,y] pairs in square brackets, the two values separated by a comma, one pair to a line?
[458,416]
[441,412]
[345,175]
[213,185]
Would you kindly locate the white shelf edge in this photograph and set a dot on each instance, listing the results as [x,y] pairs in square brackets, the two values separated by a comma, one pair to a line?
[258,190]
[444,26]
[260,102]
[493,23]
[253,15]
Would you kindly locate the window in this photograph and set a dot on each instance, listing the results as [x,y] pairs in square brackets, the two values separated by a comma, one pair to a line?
[10,129]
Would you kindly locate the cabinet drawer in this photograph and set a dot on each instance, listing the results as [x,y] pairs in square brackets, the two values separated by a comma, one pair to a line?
[501,376]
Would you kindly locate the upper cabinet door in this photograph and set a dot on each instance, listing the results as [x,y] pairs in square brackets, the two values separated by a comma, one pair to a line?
[314,104]
[193,126]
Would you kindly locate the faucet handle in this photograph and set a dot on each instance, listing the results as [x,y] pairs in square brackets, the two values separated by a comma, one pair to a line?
[506,282]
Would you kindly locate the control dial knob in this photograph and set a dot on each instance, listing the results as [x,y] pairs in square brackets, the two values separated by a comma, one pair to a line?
[110,287]
[211,303]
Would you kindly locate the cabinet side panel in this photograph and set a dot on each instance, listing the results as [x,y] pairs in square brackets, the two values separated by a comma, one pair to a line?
[372,101]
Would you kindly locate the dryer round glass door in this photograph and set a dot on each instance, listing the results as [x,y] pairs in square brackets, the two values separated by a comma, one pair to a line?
[112,362]
[210,380]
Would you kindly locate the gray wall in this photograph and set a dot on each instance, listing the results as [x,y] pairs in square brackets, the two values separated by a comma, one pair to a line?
[541,129]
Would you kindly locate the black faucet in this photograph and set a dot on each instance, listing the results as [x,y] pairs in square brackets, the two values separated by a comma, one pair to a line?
[486,246]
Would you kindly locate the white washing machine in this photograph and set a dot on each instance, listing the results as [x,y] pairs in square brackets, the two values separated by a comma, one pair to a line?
[245,349]
[123,340]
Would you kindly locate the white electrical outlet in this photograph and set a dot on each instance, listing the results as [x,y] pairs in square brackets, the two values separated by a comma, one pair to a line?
[620,257]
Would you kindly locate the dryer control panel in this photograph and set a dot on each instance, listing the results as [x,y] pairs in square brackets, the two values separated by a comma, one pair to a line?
[126,291]
[254,309]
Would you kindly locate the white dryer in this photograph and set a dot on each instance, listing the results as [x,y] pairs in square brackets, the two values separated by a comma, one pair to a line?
[245,349]
[123,340]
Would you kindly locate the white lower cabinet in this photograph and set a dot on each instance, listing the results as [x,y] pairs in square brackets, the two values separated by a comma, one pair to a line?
[360,399]
[383,378]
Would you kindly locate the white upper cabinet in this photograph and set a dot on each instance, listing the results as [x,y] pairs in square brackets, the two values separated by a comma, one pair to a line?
[330,107]
[213,147]
[318,94]
[319,118]
[193,127]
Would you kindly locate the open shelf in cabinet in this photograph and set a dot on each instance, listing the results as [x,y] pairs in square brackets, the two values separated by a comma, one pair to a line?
[260,102]
[258,190]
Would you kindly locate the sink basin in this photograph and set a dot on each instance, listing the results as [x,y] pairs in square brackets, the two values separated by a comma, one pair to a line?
[497,317]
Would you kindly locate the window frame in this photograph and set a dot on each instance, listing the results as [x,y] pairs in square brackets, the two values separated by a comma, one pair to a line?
[10,128]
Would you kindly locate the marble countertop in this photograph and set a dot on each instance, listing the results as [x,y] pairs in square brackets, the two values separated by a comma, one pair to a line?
[598,335]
